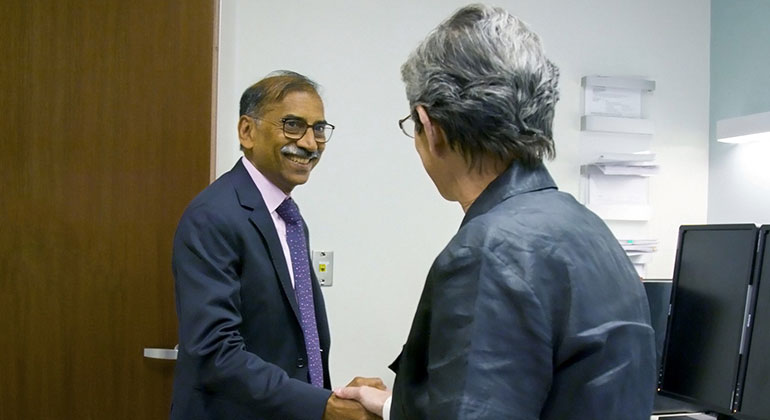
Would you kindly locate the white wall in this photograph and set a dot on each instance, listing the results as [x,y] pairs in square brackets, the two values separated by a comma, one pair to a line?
[369,199]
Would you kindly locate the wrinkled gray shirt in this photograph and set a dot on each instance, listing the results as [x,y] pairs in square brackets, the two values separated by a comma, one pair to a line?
[532,311]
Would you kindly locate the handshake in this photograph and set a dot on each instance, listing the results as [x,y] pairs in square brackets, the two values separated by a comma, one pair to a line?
[361,399]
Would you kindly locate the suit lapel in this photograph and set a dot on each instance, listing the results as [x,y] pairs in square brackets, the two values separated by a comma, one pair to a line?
[267,230]
[250,198]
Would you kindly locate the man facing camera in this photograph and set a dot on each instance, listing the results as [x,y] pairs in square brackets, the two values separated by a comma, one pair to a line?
[253,333]
[532,311]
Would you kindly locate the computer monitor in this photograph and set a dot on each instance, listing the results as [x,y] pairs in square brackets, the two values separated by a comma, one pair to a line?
[659,297]
[755,389]
[712,272]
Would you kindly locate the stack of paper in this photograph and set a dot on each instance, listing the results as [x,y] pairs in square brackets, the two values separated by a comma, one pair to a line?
[639,164]
[639,251]
[613,102]
[615,185]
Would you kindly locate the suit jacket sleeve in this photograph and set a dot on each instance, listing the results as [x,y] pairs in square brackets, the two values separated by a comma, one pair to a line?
[206,270]
[490,343]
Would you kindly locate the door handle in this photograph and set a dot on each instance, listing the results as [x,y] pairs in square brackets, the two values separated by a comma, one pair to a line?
[163,354]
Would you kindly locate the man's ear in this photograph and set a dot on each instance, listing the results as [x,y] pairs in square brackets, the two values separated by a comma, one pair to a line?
[246,128]
[433,132]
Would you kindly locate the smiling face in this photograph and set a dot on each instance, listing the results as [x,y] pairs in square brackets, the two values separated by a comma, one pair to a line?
[285,162]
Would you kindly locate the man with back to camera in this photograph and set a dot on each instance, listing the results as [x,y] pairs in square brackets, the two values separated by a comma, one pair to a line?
[253,333]
[532,311]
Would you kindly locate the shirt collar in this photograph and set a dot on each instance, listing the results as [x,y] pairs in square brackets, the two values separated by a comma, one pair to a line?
[272,195]
[516,180]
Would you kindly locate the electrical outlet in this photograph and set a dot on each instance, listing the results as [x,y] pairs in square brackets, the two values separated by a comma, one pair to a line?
[323,264]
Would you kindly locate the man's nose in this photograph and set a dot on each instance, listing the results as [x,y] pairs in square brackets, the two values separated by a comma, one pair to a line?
[307,141]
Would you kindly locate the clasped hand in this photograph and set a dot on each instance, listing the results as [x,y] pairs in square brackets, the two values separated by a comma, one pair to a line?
[362,398]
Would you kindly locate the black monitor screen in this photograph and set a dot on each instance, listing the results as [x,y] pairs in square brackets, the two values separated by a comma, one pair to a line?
[659,297]
[711,276]
[756,388]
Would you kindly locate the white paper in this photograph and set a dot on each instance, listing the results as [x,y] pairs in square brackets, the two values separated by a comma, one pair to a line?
[621,212]
[640,257]
[617,189]
[640,252]
[638,170]
[625,157]
[615,197]
[639,249]
[632,242]
[613,102]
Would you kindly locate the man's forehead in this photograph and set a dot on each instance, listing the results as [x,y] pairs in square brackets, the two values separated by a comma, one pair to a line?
[307,105]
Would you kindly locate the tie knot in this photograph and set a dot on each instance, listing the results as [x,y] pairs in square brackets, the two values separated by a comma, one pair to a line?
[289,211]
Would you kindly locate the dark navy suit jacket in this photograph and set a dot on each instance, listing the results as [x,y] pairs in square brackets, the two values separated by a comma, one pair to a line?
[241,349]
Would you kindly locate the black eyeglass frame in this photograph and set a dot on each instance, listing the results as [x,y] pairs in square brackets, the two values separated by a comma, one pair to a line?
[301,131]
[404,130]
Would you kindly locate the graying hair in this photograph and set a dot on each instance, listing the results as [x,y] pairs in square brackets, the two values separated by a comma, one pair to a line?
[272,89]
[483,77]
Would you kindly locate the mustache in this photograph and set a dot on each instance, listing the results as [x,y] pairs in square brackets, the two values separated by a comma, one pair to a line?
[293,149]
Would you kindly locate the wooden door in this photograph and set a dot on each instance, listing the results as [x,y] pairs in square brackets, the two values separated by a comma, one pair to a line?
[105,136]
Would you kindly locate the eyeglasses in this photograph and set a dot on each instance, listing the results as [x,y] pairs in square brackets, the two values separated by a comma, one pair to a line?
[407,126]
[295,128]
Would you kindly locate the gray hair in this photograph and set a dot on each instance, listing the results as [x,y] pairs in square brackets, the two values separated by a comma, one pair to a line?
[483,77]
[272,89]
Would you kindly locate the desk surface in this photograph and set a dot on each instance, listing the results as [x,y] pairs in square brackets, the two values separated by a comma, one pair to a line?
[682,416]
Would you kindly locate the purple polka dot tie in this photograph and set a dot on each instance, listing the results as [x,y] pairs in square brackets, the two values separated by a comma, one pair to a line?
[295,236]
